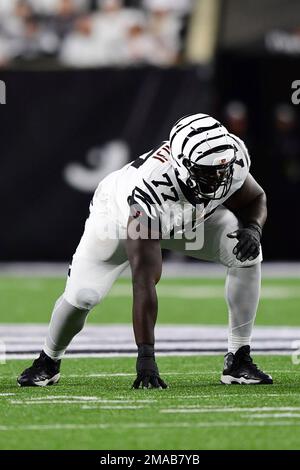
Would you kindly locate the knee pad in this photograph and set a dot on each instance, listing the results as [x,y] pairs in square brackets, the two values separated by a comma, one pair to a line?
[87,298]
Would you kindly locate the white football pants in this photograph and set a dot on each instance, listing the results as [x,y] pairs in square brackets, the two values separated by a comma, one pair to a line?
[98,262]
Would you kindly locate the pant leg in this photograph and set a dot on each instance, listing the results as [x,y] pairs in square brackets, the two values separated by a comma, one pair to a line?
[243,280]
[96,264]
[217,247]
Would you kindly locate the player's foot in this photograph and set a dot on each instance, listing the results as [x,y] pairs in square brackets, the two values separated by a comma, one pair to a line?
[240,369]
[44,371]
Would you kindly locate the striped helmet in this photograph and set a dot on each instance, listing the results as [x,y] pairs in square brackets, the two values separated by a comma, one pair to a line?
[203,155]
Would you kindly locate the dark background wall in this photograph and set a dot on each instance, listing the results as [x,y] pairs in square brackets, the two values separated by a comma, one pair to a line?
[263,84]
[54,121]
[76,122]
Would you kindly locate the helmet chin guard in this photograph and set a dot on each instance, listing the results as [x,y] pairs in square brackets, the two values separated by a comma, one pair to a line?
[203,156]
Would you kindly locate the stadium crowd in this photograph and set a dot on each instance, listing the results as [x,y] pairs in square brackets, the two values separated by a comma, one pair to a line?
[91,33]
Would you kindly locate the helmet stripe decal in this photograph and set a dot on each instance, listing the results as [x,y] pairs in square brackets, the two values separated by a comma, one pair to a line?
[198,132]
[185,125]
[216,149]
[202,142]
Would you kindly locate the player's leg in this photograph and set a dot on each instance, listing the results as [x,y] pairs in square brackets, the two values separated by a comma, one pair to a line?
[97,263]
[243,280]
[95,267]
[242,291]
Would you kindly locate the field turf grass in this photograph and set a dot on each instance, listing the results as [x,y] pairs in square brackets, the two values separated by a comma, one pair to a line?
[30,300]
[93,407]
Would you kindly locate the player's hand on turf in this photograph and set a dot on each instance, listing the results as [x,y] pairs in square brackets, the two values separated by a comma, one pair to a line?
[147,374]
[147,370]
[248,246]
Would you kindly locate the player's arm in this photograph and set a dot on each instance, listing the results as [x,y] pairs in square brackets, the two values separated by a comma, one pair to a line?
[144,254]
[249,203]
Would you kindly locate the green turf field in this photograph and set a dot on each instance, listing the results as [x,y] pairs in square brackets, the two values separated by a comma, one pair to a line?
[180,301]
[93,406]
[196,412]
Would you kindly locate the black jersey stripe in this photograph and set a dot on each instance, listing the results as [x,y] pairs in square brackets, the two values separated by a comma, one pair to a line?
[145,199]
[151,190]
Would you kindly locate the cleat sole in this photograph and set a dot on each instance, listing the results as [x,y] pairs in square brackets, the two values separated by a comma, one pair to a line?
[42,383]
[230,380]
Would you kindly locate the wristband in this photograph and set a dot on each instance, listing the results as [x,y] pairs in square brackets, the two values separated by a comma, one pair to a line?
[256,227]
[146,350]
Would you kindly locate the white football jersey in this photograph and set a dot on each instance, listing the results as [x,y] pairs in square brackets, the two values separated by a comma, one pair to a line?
[150,186]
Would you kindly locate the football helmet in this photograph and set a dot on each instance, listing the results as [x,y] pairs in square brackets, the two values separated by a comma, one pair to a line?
[203,155]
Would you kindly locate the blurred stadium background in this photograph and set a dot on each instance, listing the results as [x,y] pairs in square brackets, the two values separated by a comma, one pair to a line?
[90,85]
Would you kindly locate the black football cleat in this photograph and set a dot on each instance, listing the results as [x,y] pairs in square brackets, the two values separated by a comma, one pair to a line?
[240,369]
[44,371]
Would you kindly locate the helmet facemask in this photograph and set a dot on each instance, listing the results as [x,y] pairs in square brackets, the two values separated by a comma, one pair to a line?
[209,181]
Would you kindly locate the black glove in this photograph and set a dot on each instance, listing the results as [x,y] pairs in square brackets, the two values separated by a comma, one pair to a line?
[147,370]
[248,245]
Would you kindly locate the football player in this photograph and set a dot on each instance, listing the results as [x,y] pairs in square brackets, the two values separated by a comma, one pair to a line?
[198,178]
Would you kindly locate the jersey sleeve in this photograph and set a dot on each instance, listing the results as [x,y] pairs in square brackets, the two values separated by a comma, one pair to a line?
[241,165]
[143,201]
[152,182]
[244,153]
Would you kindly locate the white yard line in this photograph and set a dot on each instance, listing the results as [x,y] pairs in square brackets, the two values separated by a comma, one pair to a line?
[133,374]
[222,395]
[195,409]
[117,374]
[68,397]
[62,399]
[49,402]
[71,400]
[194,374]
[76,427]
[271,415]
[97,402]
[120,407]
[83,407]
[171,374]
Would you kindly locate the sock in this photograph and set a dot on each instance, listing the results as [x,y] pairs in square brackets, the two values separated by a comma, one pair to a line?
[242,290]
[66,322]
